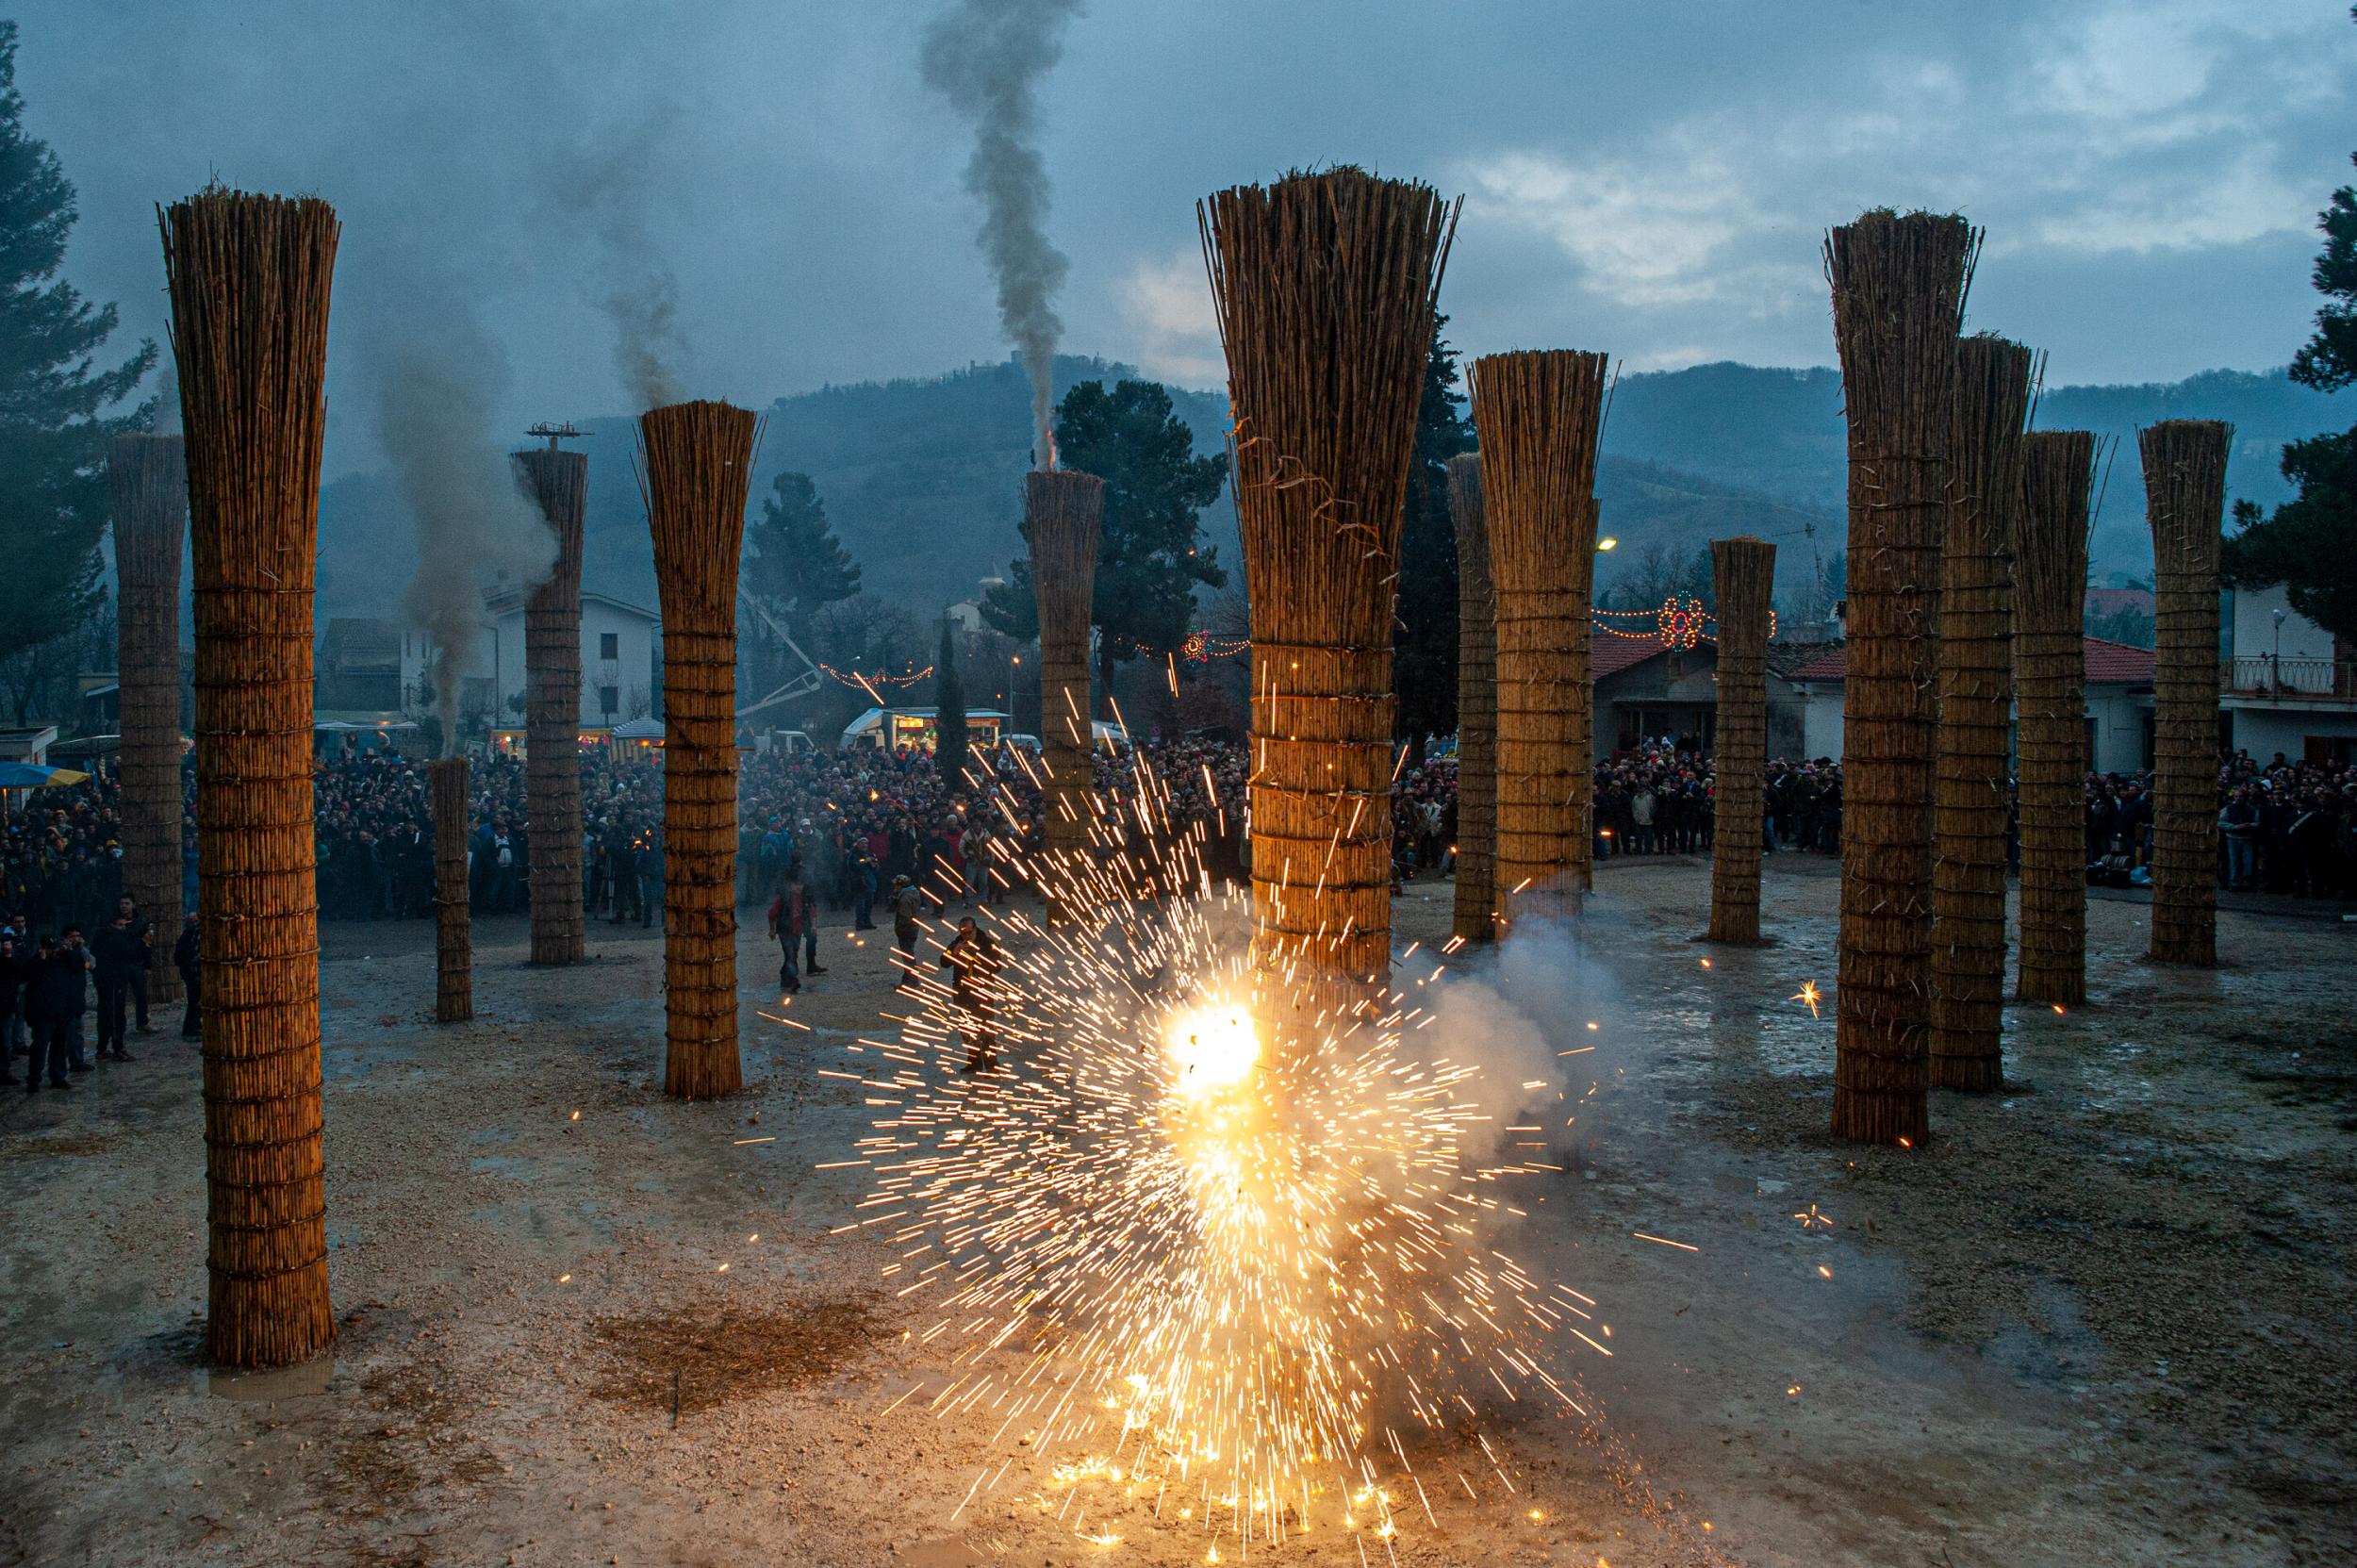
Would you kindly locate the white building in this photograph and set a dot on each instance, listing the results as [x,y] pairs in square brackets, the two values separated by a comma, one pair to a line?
[2119,706]
[620,670]
[2287,684]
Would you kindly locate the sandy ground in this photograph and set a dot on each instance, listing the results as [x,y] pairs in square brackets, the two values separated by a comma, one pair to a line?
[2106,1317]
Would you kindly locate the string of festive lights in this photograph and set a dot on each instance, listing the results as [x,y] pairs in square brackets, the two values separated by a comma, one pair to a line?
[879,680]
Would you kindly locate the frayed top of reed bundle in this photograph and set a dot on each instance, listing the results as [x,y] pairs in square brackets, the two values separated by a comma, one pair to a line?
[695,465]
[1325,286]
[249,281]
[1898,285]
[1063,514]
[1539,412]
[2184,490]
[2051,527]
[147,489]
[1993,381]
[558,482]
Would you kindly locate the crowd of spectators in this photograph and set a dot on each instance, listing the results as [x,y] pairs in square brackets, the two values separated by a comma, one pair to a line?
[858,821]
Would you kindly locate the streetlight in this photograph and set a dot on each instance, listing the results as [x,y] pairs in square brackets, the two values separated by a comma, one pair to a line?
[1607,542]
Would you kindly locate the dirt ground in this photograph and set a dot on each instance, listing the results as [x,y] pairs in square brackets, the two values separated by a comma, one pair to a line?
[2104,1317]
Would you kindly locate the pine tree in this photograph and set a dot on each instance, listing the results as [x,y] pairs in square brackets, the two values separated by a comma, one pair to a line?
[1152,557]
[53,438]
[1424,661]
[2309,544]
[949,709]
[794,562]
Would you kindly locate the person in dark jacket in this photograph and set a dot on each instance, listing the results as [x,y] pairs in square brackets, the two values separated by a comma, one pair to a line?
[187,958]
[975,958]
[144,933]
[10,979]
[55,997]
[116,953]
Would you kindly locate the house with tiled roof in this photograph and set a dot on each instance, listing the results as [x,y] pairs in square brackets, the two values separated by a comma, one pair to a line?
[2118,704]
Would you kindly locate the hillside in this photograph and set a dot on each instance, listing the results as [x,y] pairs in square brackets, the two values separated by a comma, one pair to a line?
[923,478]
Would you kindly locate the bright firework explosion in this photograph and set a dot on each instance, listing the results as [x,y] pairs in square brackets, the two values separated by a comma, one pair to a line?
[1237,1279]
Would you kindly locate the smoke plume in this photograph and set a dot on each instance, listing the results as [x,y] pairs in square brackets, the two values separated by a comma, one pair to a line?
[987,57]
[607,187]
[167,395]
[435,379]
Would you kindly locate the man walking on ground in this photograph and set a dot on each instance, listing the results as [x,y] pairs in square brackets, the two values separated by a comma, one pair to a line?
[186,958]
[144,933]
[907,903]
[117,954]
[9,980]
[789,911]
[49,1049]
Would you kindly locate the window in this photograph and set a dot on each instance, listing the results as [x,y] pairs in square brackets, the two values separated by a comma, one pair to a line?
[609,701]
[609,647]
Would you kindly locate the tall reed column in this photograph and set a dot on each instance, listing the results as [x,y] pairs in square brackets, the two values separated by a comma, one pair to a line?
[1326,286]
[2050,658]
[1973,799]
[2185,500]
[1898,297]
[696,460]
[1743,572]
[1475,912]
[1063,517]
[250,278]
[453,938]
[560,481]
[147,482]
[1538,414]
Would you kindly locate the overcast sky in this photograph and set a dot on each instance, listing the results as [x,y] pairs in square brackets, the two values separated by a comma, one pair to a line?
[1645,176]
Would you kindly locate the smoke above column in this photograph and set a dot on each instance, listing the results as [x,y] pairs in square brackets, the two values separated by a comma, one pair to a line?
[434,378]
[986,58]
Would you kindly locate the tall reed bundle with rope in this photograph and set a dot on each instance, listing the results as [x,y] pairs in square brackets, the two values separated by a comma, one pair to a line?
[147,482]
[1326,286]
[453,941]
[1898,297]
[696,459]
[2050,577]
[1476,706]
[560,481]
[250,278]
[1538,414]
[1584,696]
[2185,500]
[1972,797]
[1063,517]
[1743,572]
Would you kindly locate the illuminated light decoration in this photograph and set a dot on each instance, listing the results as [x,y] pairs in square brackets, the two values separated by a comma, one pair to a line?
[1680,623]
[872,682]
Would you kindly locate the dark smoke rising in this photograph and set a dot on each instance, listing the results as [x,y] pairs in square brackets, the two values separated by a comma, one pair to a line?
[167,395]
[435,379]
[606,188]
[987,57]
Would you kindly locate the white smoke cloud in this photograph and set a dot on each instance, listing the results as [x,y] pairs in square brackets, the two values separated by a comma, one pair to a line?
[435,380]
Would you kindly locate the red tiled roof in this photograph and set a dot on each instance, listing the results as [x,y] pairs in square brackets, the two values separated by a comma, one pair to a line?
[2108,664]
[1609,653]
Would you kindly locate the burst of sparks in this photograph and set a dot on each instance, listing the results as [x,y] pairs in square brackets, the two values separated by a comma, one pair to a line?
[1243,1267]
[1810,993]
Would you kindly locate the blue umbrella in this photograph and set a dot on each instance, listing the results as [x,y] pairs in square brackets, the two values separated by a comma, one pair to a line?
[25,775]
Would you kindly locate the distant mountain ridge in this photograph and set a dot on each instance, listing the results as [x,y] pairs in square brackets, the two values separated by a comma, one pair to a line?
[923,478]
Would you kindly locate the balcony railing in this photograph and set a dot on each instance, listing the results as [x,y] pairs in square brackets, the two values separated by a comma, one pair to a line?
[2265,675]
